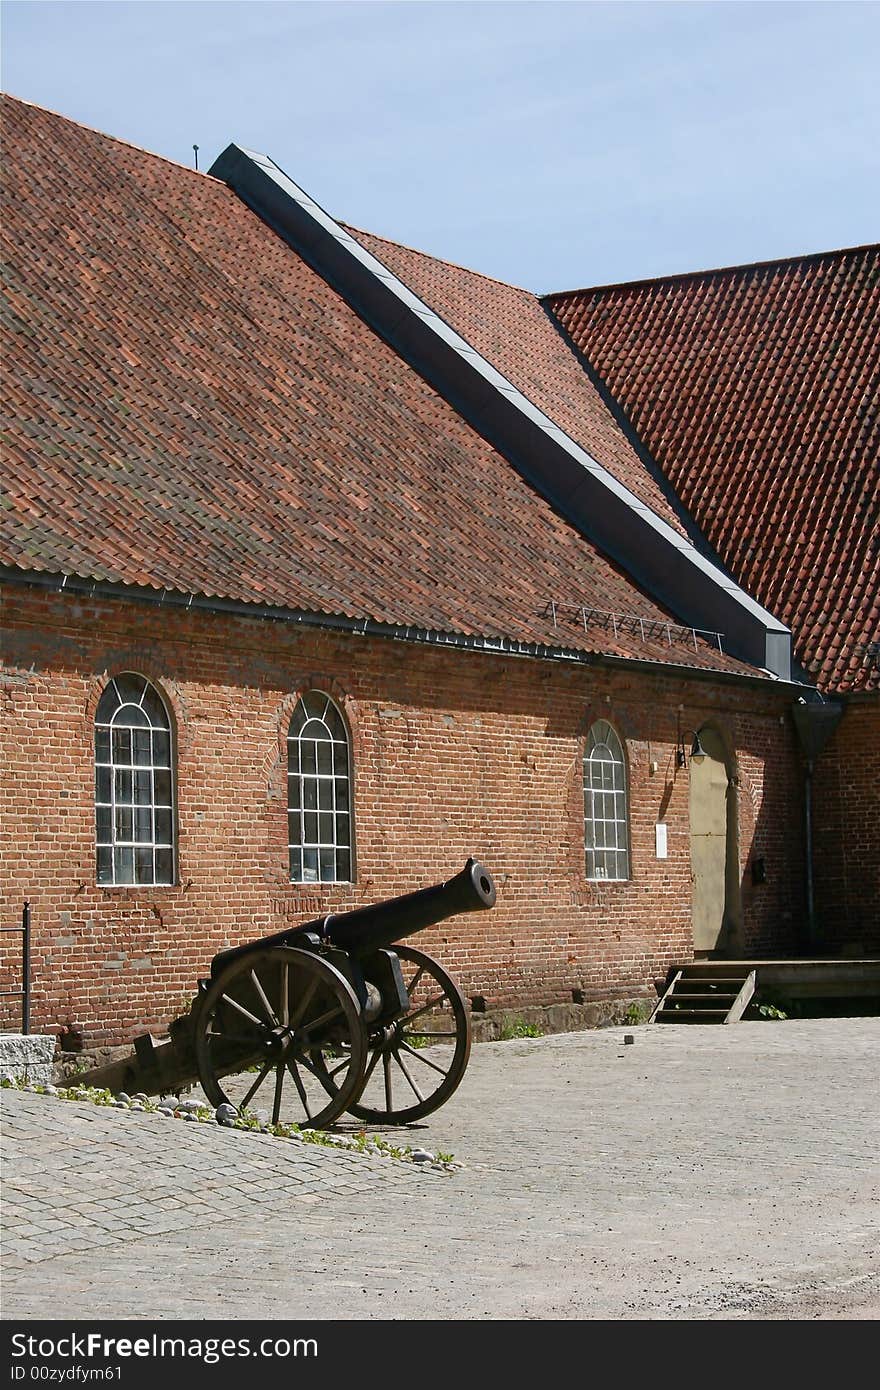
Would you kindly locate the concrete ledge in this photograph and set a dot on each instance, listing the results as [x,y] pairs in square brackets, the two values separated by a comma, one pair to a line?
[28,1056]
[494,1024]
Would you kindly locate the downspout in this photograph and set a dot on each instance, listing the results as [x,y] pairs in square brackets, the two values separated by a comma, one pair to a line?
[808,846]
[815,724]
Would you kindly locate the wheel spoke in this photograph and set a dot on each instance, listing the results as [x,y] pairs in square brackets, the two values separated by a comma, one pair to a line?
[279,1086]
[386,1063]
[256,1086]
[372,1065]
[428,1063]
[431,1004]
[304,1002]
[270,1012]
[415,980]
[285,1001]
[402,1065]
[321,1020]
[242,1010]
[297,1080]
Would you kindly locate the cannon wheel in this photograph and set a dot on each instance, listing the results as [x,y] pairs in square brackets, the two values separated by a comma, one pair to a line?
[404,1081]
[280,1021]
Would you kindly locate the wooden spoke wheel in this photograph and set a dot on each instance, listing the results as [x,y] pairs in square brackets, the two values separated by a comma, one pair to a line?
[416,1063]
[273,1026]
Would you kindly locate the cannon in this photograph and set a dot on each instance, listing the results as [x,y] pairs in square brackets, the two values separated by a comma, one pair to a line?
[329,1016]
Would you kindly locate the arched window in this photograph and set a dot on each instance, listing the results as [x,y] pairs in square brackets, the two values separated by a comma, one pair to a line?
[606,828]
[318,792]
[134,805]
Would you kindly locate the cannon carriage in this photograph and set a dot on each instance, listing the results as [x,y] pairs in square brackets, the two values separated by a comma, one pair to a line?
[327,1017]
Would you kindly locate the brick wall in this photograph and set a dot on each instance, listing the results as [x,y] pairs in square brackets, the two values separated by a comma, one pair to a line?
[846,830]
[455,753]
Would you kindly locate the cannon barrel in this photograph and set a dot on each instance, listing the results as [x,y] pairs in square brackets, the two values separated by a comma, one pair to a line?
[368,929]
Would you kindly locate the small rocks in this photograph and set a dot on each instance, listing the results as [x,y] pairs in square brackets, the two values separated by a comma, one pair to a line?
[123,1097]
[189,1107]
[165,1110]
[226,1114]
[422,1156]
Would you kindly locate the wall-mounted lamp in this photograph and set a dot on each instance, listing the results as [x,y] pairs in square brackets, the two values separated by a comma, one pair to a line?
[698,752]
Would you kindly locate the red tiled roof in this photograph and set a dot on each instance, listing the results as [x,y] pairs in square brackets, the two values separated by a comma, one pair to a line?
[512,330]
[190,407]
[757,391]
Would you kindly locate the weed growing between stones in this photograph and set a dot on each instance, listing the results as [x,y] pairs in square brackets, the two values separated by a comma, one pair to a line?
[197,1113]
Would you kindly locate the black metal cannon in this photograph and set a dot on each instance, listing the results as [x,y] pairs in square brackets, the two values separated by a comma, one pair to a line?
[329,1016]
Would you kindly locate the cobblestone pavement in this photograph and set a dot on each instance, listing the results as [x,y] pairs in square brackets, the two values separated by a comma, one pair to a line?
[698,1173]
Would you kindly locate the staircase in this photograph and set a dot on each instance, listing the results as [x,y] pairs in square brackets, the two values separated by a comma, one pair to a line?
[706,992]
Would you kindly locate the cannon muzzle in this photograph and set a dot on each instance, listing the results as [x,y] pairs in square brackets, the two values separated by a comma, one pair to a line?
[367,929]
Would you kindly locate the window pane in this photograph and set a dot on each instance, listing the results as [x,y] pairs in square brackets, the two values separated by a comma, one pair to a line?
[122,780]
[141,745]
[333,720]
[325,795]
[105,865]
[341,794]
[310,866]
[343,866]
[143,865]
[310,828]
[162,788]
[121,746]
[123,865]
[294,828]
[325,757]
[102,745]
[163,827]
[340,759]
[130,688]
[107,705]
[154,707]
[308,757]
[296,868]
[143,788]
[164,866]
[103,825]
[293,764]
[130,717]
[293,793]
[103,783]
[123,823]
[325,830]
[328,866]
[310,794]
[342,830]
[298,720]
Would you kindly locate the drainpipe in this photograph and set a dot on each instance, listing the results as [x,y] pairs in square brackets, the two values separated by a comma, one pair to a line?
[808,843]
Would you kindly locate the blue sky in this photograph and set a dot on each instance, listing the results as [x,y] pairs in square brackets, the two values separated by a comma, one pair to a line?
[550,144]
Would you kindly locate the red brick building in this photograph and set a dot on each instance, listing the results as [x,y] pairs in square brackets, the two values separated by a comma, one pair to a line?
[760,408]
[327,565]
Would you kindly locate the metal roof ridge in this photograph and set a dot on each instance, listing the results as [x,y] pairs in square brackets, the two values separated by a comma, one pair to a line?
[586,493]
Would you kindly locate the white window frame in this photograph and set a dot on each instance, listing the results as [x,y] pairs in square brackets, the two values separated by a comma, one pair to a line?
[606,810]
[135,840]
[320,810]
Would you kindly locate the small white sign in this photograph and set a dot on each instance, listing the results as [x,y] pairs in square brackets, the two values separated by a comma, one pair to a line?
[660,839]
